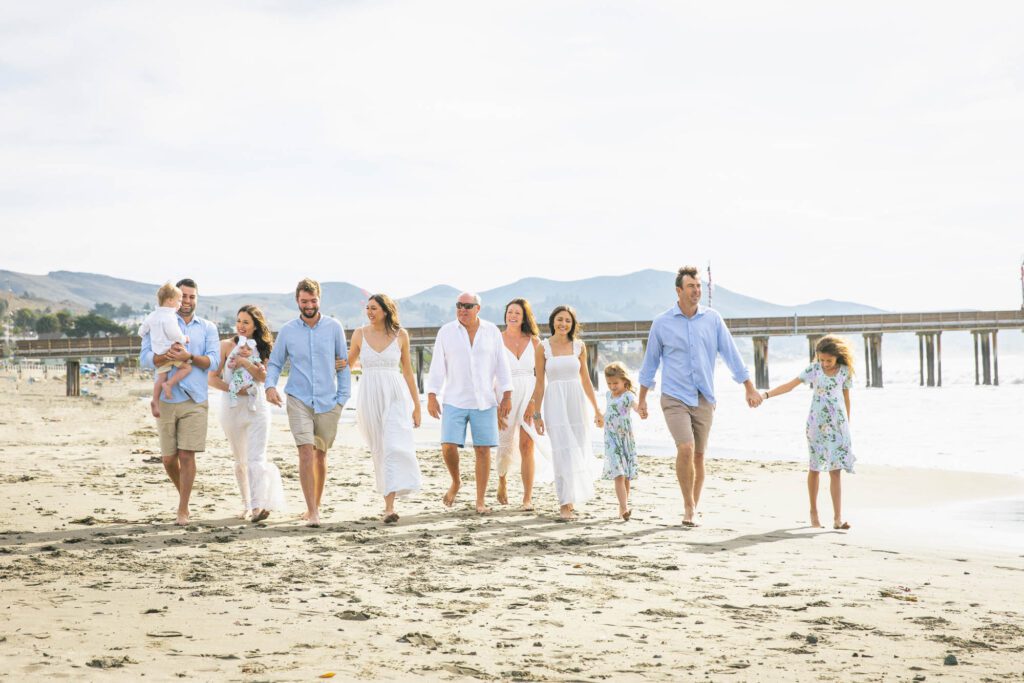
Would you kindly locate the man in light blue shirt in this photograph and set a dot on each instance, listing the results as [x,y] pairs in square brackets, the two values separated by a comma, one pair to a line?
[183,418]
[685,341]
[317,388]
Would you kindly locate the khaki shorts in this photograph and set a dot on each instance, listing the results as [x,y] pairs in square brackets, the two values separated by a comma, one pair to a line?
[312,429]
[688,424]
[167,367]
[182,426]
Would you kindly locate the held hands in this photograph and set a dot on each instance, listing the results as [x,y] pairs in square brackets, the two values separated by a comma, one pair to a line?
[274,397]
[754,398]
[598,419]
[433,407]
[641,409]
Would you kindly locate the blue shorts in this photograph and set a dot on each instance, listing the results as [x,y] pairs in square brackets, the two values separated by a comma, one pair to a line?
[483,423]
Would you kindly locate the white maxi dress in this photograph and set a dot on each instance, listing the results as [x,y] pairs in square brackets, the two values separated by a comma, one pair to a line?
[523,382]
[567,425]
[384,416]
[246,425]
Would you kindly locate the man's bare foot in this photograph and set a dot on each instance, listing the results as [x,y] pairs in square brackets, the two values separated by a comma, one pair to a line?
[815,522]
[840,524]
[154,407]
[449,498]
[182,519]
[527,505]
[502,491]
[483,509]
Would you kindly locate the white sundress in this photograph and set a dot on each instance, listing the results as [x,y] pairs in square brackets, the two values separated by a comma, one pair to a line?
[384,416]
[567,425]
[524,381]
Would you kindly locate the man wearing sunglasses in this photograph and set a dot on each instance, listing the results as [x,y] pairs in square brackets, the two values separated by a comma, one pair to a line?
[468,364]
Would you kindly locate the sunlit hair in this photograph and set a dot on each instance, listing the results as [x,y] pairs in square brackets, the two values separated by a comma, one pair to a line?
[838,347]
[309,286]
[572,313]
[686,270]
[529,323]
[260,331]
[618,370]
[390,308]
[167,292]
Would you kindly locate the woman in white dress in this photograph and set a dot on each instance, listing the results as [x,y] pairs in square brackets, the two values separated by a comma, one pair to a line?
[516,438]
[245,414]
[561,410]
[388,404]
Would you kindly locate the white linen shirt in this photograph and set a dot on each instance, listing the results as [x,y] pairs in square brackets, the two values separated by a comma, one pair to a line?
[162,327]
[469,374]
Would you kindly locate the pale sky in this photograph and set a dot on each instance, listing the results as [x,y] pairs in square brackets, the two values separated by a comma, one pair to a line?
[871,152]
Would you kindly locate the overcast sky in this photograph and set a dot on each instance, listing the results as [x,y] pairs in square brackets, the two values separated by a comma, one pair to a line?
[871,151]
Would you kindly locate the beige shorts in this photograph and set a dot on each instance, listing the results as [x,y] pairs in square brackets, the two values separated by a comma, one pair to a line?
[688,424]
[312,429]
[167,367]
[182,426]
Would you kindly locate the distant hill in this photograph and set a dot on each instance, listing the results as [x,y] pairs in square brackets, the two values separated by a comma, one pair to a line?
[635,296]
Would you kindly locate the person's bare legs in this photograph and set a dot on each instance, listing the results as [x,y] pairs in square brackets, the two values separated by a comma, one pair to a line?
[320,470]
[527,468]
[450,453]
[835,488]
[482,473]
[174,377]
[698,478]
[390,516]
[686,474]
[812,493]
[158,387]
[172,470]
[502,494]
[185,467]
[307,479]
[622,493]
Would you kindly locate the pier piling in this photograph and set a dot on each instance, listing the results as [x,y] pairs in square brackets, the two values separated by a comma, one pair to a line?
[986,360]
[873,359]
[929,350]
[592,366]
[74,377]
[761,363]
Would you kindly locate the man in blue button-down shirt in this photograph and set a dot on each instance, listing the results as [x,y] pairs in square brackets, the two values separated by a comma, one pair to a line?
[317,390]
[183,418]
[684,341]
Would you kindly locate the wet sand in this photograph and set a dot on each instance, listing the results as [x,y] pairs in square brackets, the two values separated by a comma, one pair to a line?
[98,583]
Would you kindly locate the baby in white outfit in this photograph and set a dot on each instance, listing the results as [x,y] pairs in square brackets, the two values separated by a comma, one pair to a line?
[162,327]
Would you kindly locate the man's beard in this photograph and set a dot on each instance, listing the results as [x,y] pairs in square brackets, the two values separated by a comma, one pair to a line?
[309,315]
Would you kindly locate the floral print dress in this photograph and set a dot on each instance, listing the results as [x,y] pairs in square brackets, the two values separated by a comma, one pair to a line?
[828,425]
[619,445]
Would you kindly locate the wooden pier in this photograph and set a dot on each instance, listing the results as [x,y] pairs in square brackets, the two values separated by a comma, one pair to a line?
[983,325]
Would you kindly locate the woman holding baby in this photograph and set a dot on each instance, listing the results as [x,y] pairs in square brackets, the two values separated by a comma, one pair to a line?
[245,414]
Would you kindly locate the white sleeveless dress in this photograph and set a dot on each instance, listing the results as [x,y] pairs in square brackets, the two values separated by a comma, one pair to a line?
[384,416]
[247,427]
[524,381]
[567,424]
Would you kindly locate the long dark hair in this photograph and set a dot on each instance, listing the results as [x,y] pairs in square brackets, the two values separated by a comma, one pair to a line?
[529,323]
[391,323]
[261,331]
[838,347]
[572,312]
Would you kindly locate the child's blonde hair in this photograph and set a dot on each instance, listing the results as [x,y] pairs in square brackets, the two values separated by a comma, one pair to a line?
[618,370]
[168,293]
[838,347]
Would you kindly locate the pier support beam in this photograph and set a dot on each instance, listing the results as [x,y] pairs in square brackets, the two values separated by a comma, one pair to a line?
[929,351]
[985,351]
[592,366]
[812,345]
[419,368]
[873,359]
[761,362]
[74,377]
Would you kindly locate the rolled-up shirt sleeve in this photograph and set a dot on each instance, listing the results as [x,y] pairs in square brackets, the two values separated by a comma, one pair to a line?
[146,353]
[212,347]
[436,375]
[652,359]
[345,374]
[276,361]
[730,354]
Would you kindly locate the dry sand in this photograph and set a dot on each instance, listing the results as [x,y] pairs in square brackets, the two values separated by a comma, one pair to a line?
[99,585]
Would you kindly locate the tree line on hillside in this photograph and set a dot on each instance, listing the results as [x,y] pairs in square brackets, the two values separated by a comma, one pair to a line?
[95,323]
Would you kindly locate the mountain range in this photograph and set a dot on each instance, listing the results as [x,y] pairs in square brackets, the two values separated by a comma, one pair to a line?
[635,296]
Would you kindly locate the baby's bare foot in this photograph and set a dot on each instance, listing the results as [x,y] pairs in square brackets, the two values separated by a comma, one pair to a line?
[154,407]
[167,392]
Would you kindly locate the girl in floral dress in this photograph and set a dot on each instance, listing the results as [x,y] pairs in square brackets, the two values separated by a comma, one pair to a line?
[828,425]
[619,444]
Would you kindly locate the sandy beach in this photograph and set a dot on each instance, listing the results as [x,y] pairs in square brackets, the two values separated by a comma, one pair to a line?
[98,584]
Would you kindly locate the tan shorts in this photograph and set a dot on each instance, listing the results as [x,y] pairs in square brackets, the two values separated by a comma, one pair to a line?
[167,367]
[182,426]
[688,424]
[312,429]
